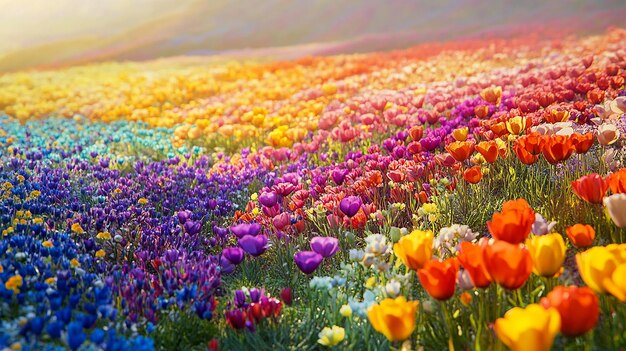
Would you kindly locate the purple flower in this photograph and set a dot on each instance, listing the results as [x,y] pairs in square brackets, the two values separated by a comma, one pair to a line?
[339,175]
[192,227]
[268,199]
[541,226]
[233,254]
[350,205]
[243,229]
[255,294]
[240,298]
[325,245]
[171,256]
[307,261]
[227,266]
[183,216]
[254,245]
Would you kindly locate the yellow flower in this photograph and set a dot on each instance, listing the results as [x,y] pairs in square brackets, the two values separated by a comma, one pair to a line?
[38,220]
[100,253]
[14,283]
[516,125]
[104,235]
[415,249]
[547,252]
[48,244]
[603,268]
[331,336]
[20,178]
[35,193]
[15,346]
[76,228]
[255,211]
[530,328]
[429,208]
[370,282]
[1,269]
[142,201]
[254,197]
[50,280]
[394,318]
[74,263]
[346,311]
[460,134]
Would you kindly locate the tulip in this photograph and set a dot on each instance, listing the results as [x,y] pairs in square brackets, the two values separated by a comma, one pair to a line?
[287,296]
[530,328]
[547,253]
[499,129]
[439,278]
[581,235]
[243,229]
[281,221]
[234,255]
[557,148]
[308,261]
[514,223]
[531,143]
[325,245]
[350,205]
[460,150]
[541,226]
[460,134]
[473,175]
[608,134]
[339,175]
[492,95]
[254,245]
[394,318]
[415,249]
[590,188]
[579,308]
[471,258]
[603,268]
[582,142]
[268,199]
[524,156]
[416,133]
[331,336]
[516,125]
[616,206]
[617,181]
[508,264]
[481,111]
[489,150]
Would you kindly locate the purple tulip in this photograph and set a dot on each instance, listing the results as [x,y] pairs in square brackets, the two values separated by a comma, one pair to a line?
[243,229]
[268,199]
[254,245]
[350,205]
[307,261]
[171,256]
[227,266]
[183,216]
[339,175]
[255,294]
[240,298]
[325,245]
[192,227]
[233,254]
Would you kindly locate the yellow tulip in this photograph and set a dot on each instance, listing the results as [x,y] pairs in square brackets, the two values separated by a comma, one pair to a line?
[394,318]
[530,328]
[547,252]
[516,125]
[415,249]
[460,134]
[331,336]
[603,268]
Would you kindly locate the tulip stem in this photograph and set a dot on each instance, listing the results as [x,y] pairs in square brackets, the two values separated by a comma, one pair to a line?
[448,319]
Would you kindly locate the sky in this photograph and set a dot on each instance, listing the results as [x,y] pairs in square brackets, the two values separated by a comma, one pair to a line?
[45,33]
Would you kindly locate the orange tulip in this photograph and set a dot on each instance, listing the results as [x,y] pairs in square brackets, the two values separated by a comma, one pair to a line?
[524,156]
[617,181]
[531,143]
[557,148]
[582,142]
[439,278]
[460,134]
[489,150]
[471,257]
[460,150]
[499,129]
[513,223]
[416,133]
[590,188]
[481,111]
[581,235]
[554,116]
[579,308]
[492,95]
[508,264]
[473,175]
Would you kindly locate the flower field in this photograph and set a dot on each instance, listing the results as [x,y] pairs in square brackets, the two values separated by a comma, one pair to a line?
[466,195]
